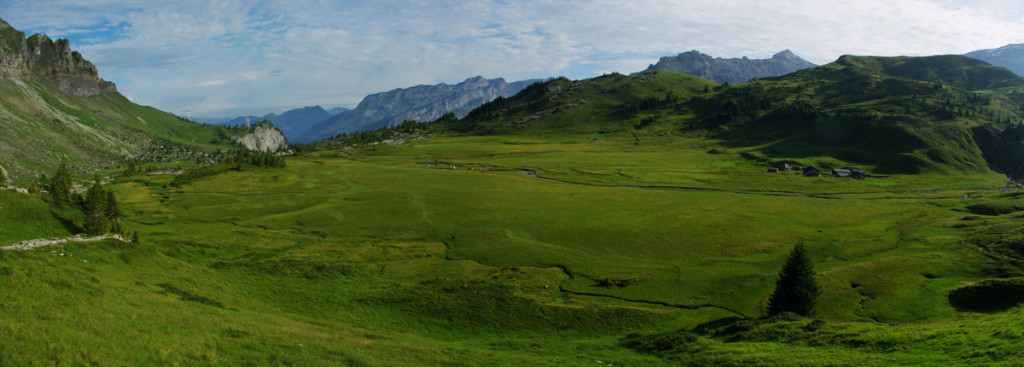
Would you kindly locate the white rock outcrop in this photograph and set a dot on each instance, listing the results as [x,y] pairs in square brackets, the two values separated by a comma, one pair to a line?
[31,244]
[264,138]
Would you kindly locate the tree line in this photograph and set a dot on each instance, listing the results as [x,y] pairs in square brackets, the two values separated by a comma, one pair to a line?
[237,162]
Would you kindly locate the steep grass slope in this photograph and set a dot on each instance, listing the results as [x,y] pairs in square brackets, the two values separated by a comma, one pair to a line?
[43,127]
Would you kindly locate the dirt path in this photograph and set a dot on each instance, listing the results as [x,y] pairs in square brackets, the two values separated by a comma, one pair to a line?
[42,242]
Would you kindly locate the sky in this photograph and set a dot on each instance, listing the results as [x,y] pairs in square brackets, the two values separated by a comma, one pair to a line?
[224,58]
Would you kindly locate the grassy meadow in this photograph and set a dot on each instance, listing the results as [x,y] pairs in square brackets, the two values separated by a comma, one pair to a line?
[552,250]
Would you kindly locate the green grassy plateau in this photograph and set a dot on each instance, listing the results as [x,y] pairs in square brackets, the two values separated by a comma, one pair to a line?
[370,257]
[621,220]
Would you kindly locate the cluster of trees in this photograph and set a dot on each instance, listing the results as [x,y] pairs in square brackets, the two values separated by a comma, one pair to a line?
[238,162]
[650,103]
[256,159]
[102,214]
[407,127]
[60,186]
[132,169]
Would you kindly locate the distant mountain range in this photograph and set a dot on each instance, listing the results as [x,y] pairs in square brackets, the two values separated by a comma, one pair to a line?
[292,123]
[420,103]
[428,102]
[732,71]
[1009,56]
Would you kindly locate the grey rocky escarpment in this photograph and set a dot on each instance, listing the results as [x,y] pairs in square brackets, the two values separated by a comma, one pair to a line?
[52,60]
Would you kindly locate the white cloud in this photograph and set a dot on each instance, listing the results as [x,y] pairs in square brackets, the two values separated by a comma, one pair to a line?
[210,83]
[259,57]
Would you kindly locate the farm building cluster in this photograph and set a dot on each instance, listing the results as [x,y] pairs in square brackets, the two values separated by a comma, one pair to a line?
[811,171]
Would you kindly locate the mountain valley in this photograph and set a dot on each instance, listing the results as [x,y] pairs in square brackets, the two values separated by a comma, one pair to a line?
[630,220]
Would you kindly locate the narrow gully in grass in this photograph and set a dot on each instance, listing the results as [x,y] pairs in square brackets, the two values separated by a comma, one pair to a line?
[534,174]
[829,196]
[988,250]
[571,276]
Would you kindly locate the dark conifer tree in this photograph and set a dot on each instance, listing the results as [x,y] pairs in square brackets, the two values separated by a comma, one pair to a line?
[60,186]
[96,221]
[112,211]
[796,290]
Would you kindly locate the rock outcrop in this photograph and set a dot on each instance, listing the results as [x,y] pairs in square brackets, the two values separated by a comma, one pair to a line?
[733,71]
[54,61]
[419,103]
[42,242]
[263,137]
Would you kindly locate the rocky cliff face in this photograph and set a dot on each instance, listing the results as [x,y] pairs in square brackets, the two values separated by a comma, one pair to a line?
[731,71]
[420,103]
[263,137]
[1009,56]
[54,61]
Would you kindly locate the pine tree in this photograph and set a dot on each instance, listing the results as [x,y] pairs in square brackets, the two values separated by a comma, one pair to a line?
[96,221]
[796,290]
[111,210]
[60,186]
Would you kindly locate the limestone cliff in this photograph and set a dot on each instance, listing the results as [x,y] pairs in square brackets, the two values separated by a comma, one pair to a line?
[733,71]
[263,137]
[54,61]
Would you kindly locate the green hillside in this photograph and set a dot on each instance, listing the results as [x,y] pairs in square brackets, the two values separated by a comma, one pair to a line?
[903,115]
[605,104]
[44,127]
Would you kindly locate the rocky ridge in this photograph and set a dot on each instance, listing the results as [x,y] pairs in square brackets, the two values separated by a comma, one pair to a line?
[52,60]
[733,71]
[419,103]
